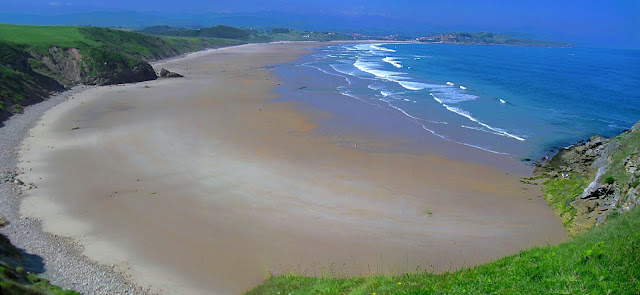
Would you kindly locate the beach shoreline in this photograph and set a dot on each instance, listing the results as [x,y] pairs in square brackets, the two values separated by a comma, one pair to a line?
[137,164]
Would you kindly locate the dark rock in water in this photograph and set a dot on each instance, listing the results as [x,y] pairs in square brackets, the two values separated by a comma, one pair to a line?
[164,73]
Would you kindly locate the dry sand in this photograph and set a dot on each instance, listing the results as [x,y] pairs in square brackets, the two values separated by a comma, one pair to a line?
[202,185]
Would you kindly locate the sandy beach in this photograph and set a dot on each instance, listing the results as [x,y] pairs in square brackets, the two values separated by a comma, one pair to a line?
[205,185]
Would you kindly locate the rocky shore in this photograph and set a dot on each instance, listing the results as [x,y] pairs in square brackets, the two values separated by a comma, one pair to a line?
[587,182]
[53,257]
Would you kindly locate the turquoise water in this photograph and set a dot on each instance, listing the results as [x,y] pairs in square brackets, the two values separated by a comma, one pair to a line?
[520,101]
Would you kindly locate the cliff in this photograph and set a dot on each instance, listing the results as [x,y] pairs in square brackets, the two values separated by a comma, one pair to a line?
[586,183]
[37,61]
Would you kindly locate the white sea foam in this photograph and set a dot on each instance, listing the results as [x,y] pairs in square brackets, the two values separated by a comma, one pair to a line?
[346,93]
[449,83]
[415,119]
[371,68]
[385,93]
[463,88]
[412,85]
[503,101]
[379,47]
[480,129]
[328,73]
[468,115]
[392,61]
[450,95]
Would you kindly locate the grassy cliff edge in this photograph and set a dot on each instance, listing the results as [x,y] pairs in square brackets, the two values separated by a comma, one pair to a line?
[36,61]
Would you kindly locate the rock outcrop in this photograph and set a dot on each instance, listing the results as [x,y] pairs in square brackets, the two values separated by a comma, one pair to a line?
[30,75]
[70,66]
[164,73]
[588,181]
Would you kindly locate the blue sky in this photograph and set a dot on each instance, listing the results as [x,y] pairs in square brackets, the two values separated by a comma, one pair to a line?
[615,22]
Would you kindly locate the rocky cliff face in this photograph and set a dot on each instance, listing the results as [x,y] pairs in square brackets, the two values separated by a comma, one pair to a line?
[71,67]
[28,75]
[65,63]
[587,182]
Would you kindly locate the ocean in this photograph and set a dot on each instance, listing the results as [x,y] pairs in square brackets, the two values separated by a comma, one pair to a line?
[518,101]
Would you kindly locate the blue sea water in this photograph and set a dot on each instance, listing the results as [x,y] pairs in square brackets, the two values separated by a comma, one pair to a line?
[520,101]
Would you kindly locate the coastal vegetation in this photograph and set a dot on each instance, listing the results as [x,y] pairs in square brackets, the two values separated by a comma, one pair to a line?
[15,279]
[38,60]
[587,182]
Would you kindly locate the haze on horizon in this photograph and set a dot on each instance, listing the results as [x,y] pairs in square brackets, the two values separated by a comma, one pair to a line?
[591,23]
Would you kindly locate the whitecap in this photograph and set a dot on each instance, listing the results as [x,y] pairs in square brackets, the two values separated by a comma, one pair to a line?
[412,85]
[379,47]
[463,88]
[468,115]
[371,68]
[392,61]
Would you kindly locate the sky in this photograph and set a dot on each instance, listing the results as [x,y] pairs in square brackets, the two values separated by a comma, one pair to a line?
[612,22]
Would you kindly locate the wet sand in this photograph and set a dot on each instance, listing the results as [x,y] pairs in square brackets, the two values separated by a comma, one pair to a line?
[205,185]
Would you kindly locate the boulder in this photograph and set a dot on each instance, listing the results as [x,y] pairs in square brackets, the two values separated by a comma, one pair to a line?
[164,73]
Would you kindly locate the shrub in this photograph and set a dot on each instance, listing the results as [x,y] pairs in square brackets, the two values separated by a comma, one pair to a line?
[609,180]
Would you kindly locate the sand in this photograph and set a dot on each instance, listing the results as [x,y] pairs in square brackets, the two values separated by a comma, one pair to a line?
[205,185]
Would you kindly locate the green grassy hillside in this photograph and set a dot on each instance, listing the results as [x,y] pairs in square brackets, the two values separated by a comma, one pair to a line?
[37,60]
[132,44]
[605,260]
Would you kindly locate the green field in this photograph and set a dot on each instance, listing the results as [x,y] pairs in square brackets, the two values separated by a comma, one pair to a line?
[605,260]
[130,43]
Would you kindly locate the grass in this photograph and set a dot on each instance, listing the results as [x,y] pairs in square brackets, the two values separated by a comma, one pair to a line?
[15,280]
[606,260]
[46,35]
[559,192]
[131,44]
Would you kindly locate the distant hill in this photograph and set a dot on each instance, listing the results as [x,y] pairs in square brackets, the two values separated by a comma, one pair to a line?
[265,35]
[487,38]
